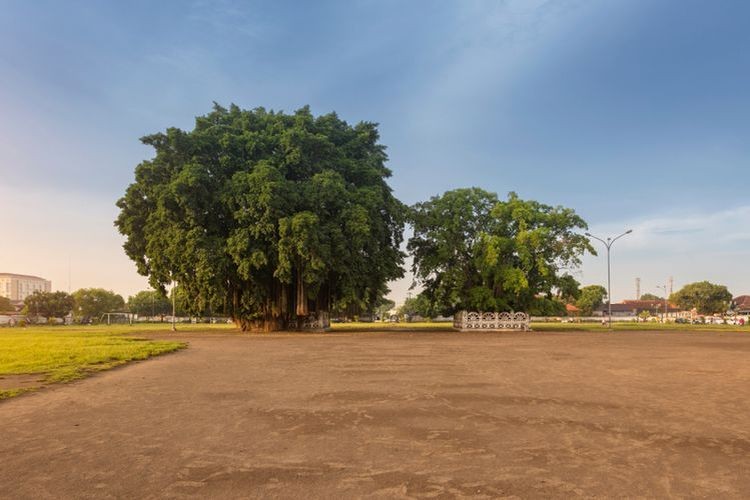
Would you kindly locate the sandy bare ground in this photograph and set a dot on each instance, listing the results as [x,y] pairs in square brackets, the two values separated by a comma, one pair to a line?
[435,415]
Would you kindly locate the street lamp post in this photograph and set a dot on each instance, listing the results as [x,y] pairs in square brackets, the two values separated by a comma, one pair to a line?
[608,244]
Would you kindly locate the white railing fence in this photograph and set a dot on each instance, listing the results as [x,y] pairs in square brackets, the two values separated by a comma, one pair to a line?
[319,322]
[467,321]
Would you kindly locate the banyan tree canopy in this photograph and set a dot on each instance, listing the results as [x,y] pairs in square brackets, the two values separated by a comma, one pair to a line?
[267,216]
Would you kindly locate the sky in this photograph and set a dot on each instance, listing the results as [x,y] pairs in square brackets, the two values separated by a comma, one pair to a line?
[634,112]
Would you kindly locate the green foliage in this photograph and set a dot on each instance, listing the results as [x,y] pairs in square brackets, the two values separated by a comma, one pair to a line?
[544,306]
[651,296]
[705,297]
[568,289]
[417,306]
[49,304]
[149,303]
[591,297]
[5,305]
[265,216]
[91,303]
[472,251]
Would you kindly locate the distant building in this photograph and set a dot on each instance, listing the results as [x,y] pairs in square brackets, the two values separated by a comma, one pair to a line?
[742,304]
[17,287]
[632,308]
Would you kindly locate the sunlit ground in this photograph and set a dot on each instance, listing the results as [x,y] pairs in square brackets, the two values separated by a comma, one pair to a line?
[36,356]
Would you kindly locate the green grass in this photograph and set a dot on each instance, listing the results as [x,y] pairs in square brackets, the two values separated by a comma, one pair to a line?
[65,353]
[9,393]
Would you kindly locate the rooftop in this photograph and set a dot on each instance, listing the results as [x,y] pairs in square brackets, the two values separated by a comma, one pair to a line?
[648,304]
[26,276]
[638,305]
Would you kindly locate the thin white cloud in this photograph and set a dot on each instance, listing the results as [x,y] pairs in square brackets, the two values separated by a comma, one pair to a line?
[715,232]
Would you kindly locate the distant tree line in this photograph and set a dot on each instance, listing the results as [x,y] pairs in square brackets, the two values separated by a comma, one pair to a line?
[702,296]
[84,305]
[89,305]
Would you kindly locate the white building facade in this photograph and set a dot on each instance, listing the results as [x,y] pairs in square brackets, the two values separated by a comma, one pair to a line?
[17,287]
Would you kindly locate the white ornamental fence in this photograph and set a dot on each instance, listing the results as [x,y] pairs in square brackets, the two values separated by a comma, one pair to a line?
[320,322]
[491,321]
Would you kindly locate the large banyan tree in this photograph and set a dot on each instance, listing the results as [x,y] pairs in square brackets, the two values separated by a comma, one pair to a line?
[268,216]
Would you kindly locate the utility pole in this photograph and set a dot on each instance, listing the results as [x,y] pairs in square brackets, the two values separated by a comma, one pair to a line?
[608,243]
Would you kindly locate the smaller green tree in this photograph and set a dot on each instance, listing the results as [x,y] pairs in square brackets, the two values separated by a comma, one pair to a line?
[545,306]
[417,306]
[5,305]
[568,289]
[474,252]
[150,303]
[591,297]
[705,297]
[651,296]
[48,304]
[91,303]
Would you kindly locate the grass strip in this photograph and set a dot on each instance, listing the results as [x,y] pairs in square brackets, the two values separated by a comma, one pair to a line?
[62,354]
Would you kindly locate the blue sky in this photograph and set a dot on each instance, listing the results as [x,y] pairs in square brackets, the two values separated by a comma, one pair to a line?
[635,113]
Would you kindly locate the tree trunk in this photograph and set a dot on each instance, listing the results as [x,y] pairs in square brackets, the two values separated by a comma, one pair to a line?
[302,309]
[284,300]
[265,325]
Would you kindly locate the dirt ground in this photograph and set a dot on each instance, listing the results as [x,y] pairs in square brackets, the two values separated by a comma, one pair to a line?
[391,415]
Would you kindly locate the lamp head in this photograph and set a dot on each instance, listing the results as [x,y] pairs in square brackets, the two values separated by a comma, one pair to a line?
[628,231]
